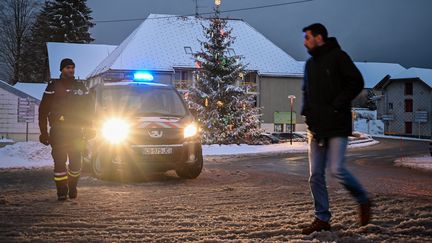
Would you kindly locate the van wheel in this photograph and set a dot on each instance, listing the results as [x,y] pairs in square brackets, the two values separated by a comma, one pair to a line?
[191,171]
[102,166]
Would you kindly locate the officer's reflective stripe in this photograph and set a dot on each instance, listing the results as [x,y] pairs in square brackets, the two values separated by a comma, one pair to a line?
[61,178]
[49,92]
[74,174]
[60,174]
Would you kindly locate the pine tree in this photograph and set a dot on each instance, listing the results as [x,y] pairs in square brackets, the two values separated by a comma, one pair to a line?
[226,113]
[70,21]
[370,101]
[58,21]
[36,58]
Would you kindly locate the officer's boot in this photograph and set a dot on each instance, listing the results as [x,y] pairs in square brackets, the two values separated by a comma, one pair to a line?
[62,189]
[72,183]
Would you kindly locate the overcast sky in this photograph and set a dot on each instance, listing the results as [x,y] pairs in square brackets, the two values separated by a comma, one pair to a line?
[397,31]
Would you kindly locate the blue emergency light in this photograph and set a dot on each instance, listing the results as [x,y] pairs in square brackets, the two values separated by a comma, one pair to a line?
[143,76]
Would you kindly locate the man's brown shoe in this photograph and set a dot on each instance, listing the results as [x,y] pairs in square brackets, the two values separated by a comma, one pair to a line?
[317,225]
[365,212]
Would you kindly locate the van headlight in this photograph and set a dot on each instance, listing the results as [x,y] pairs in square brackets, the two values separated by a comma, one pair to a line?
[190,130]
[115,130]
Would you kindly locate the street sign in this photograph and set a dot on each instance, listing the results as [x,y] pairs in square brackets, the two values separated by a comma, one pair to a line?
[387,117]
[284,117]
[26,110]
[421,116]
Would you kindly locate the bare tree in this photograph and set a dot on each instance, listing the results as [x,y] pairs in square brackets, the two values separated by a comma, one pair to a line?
[16,19]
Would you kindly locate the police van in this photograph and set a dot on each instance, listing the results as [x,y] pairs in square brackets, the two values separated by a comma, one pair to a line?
[143,126]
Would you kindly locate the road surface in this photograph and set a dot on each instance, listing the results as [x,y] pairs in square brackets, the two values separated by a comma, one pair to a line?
[234,199]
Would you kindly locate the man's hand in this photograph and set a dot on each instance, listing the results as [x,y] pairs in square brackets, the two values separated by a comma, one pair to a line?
[44,139]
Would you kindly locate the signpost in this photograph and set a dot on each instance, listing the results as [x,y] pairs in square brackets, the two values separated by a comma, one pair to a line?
[25,113]
[291,97]
[420,117]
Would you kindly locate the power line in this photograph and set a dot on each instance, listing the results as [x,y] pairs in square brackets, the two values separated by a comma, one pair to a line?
[259,7]
[222,11]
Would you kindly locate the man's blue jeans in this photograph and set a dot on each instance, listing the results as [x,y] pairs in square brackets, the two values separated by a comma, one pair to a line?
[330,152]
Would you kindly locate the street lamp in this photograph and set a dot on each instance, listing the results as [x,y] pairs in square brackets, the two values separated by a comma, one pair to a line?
[291,97]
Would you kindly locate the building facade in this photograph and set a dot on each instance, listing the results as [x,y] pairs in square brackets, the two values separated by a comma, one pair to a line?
[405,105]
[19,106]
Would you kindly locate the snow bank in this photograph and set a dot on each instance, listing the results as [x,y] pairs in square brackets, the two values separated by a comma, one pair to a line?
[422,163]
[234,149]
[34,154]
[369,126]
[25,154]
[6,140]
[296,147]
[366,121]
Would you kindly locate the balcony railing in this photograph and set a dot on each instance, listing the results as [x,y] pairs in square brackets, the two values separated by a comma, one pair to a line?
[183,85]
[250,87]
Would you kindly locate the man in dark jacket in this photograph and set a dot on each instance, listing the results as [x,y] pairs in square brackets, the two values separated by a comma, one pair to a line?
[331,82]
[66,106]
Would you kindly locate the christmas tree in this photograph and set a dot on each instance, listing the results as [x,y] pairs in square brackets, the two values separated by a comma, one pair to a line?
[58,21]
[226,113]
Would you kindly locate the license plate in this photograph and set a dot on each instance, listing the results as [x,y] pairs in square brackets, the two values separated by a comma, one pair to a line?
[157,150]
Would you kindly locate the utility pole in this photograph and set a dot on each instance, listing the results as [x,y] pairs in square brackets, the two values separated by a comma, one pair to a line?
[291,97]
[196,8]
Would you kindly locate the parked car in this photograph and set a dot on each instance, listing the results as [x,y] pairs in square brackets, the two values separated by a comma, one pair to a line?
[269,138]
[286,136]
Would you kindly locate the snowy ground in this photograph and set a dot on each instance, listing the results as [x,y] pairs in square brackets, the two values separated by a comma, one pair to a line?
[223,205]
[401,138]
[261,199]
[422,163]
[34,154]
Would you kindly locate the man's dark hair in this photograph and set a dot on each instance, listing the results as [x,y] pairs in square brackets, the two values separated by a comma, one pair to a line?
[317,29]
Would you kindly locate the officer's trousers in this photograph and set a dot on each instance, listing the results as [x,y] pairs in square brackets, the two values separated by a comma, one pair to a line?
[67,145]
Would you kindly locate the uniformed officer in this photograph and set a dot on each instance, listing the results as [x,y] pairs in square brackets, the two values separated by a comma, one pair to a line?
[66,106]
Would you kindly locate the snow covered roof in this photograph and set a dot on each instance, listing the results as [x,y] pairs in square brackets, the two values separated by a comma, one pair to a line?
[85,56]
[159,44]
[374,72]
[35,90]
[24,90]
[422,73]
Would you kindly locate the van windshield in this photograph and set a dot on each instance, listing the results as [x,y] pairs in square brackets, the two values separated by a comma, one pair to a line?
[144,101]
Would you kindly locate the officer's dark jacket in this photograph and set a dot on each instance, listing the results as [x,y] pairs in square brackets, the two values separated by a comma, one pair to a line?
[66,104]
[331,82]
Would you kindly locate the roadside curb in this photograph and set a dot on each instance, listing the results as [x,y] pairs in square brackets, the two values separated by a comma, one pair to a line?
[357,144]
